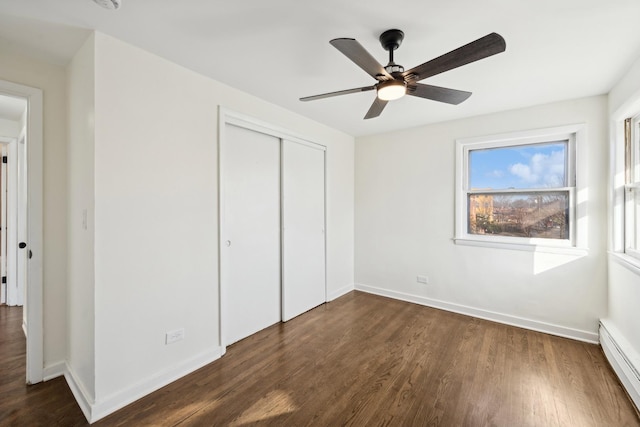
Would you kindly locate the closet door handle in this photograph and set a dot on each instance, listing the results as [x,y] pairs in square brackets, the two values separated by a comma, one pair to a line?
[22,245]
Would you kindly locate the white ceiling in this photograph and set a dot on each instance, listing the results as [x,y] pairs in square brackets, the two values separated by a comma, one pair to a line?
[279,50]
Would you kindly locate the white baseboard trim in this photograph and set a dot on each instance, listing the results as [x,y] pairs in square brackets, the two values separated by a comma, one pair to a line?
[339,292]
[624,359]
[77,389]
[93,411]
[53,370]
[534,325]
[122,398]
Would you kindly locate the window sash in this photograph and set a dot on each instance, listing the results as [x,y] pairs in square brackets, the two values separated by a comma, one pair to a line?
[632,219]
[522,190]
[632,187]
[566,142]
[536,237]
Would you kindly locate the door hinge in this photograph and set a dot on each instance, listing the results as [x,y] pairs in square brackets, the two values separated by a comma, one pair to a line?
[4,279]
[4,159]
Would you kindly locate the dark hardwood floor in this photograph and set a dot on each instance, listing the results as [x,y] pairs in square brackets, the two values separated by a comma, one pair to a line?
[361,360]
[43,404]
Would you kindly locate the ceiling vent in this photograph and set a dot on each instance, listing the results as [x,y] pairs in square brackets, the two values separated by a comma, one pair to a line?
[109,4]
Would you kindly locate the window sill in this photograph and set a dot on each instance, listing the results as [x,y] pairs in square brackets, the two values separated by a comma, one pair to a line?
[627,261]
[527,247]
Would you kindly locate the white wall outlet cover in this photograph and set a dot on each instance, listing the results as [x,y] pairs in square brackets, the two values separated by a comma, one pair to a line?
[108,4]
[173,336]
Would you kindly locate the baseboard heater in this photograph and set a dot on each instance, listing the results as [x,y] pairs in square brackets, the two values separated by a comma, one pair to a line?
[621,362]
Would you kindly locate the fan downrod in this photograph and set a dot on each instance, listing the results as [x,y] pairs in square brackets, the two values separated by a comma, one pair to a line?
[390,41]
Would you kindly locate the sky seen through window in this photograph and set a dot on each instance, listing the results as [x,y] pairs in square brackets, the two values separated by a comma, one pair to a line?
[519,167]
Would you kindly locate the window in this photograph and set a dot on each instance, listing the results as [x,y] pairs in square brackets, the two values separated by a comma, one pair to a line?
[632,186]
[518,190]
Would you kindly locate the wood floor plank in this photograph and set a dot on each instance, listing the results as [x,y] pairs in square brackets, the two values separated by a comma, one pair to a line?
[361,360]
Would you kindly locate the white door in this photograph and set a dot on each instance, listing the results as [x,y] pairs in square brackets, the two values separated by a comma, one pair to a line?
[3,226]
[250,232]
[303,280]
[10,229]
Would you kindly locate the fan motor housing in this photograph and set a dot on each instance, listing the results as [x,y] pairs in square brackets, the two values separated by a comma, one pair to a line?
[391,39]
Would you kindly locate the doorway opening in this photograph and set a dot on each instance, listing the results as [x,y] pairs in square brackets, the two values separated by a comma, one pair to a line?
[21,139]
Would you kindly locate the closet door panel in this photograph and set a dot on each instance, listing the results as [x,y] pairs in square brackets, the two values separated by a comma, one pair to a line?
[303,240]
[250,232]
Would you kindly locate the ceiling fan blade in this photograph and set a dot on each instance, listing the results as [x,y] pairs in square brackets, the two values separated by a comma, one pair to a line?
[437,93]
[363,59]
[338,93]
[484,47]
[376,108]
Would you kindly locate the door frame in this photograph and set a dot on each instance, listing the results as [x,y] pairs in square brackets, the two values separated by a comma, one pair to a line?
[227,116]
[34,164]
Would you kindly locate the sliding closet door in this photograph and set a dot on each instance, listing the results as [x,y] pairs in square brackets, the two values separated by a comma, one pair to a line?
[303,282]
[250,232]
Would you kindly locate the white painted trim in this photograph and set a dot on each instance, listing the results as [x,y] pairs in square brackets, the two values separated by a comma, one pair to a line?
[96,410]
[54,370]
[122,398]
[616,208]
[560,250]
[78,391]
[507,319]
[34,307]
[222,294]
[340,292]
[35,160]
[631,263]
[624,360]
[244,121]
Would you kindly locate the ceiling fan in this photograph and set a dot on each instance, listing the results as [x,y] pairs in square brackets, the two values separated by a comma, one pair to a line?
[394,82]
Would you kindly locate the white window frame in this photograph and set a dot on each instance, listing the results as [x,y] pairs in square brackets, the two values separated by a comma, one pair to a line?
[617,216]
[632,189]
[576,137]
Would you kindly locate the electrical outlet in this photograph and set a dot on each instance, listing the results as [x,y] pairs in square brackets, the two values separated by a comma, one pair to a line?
[423,279]
[175,335]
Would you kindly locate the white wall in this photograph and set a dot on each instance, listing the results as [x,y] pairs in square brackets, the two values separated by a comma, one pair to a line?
[405,225]
[52,80]
[10,128]
[623,319]
[80,184]
[156,238]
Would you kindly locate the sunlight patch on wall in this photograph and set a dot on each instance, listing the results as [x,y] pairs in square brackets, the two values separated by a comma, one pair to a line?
[544,261]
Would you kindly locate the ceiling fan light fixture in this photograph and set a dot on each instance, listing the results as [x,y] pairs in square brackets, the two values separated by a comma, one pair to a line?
[391,89]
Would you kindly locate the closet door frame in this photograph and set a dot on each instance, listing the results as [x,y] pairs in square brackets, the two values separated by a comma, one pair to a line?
[225,117]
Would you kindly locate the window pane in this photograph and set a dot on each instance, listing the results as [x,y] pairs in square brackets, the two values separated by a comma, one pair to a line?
[526,214]
[636,221]
[519,166]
